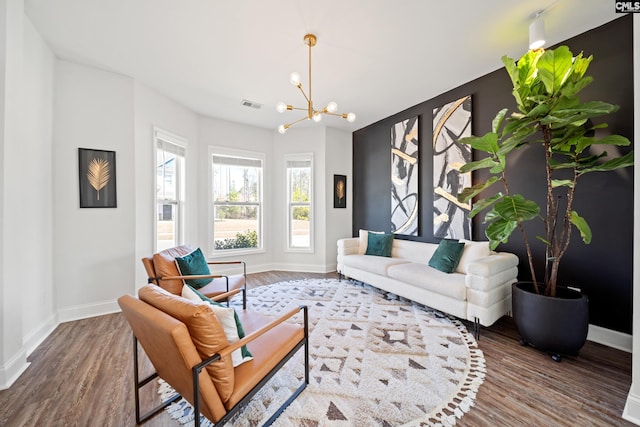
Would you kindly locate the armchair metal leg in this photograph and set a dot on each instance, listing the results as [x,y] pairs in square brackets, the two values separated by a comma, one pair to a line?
[139,384]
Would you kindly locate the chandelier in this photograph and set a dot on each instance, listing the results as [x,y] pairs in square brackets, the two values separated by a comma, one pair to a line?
[331,108]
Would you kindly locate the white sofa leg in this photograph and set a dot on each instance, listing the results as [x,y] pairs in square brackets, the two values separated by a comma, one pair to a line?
[476,328]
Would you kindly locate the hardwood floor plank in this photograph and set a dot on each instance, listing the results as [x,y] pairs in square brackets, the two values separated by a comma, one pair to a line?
[82,375]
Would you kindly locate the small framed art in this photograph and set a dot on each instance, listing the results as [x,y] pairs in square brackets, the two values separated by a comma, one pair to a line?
[339,191]
[97,178]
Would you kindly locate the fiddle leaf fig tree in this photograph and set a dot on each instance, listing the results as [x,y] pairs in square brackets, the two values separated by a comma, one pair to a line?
[545,87]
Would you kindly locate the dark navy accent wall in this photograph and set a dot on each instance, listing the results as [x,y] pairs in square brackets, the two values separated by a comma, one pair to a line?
[603,269]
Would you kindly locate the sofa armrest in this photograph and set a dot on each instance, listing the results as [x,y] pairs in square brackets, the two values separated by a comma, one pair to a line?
[348,246]
[492,264]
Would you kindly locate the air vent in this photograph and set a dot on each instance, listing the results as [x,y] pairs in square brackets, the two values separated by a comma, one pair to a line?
[251,104]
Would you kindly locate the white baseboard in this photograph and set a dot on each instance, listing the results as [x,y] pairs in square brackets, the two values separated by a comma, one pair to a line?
[307,268]
[610,338]
[631,410]
[11,371]
[84,311]
[33,339]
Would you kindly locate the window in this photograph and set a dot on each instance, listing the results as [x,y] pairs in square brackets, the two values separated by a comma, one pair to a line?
[236,179]
[299,197]
[170,173]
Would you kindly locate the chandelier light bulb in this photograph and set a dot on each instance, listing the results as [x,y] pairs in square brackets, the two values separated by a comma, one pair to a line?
[281,107]
[294,78]
[317,117]
[282,129]
[332,107]
[351,117]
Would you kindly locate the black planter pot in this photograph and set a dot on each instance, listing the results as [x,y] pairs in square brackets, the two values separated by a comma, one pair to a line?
[556,325]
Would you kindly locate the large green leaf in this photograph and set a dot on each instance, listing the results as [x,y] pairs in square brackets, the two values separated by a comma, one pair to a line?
[469,192]
[517,208]
[561,183]
[487,162]
[497,120]
[483,204]
[499,231]
[487,143]
[554,67]
[582,226]
[613,164]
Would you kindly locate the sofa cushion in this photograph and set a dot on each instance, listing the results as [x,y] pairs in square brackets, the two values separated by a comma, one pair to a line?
[363,237]
[194,264]
[205,331]
[379,244]
[423,276]
[472,251]
[447,255]
[373,264]
[164,263]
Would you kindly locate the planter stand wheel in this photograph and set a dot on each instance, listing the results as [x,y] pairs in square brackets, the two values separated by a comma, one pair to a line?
[556,358]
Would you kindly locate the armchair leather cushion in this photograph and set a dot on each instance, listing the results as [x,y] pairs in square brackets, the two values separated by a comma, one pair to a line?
[228,319]
[194,264]
[191,293]
[164,263]
[206,332]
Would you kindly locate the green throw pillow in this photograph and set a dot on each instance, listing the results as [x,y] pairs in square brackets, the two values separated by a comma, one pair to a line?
[194,264]
[447,255]
[379,244]
[241,333]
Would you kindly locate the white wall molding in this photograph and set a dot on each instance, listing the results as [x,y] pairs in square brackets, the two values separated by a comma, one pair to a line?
[12,369]
[33,339]
[610,338]
[84,311]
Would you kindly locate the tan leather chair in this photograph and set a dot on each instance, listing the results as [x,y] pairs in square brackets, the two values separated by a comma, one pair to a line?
[162,271]
[189,350]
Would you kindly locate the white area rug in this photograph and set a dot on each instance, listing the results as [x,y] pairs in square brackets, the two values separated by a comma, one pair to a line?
[375,360]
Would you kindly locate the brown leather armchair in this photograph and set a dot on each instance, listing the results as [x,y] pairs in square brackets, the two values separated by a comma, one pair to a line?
[188,348]
[162,271]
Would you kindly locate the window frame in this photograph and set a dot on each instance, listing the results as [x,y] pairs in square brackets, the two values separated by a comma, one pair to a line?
[246,154]
[181,145]
[304,157]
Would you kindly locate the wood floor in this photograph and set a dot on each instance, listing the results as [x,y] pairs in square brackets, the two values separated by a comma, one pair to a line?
[81,375]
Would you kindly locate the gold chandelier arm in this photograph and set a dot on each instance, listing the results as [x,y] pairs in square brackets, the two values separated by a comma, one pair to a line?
[297,108]
[288,125]
[308,98]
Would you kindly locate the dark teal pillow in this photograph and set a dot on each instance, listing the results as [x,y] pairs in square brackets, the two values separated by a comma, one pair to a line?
[379,244]
[241,333]
[447,255]
[194,264]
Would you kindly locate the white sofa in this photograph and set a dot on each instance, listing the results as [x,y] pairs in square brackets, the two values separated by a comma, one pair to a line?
[479,290]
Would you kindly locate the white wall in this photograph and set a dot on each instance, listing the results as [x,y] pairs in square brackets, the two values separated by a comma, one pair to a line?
[26,280]
[339,221]
[155,110]
[332,152]
[221,133]
[12,351]
[35,212]
[94,249]
[632,406]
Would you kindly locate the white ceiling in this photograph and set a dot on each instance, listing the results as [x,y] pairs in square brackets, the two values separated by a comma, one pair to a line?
[373,57]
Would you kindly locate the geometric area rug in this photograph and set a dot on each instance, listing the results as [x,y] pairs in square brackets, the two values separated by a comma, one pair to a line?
[376,359]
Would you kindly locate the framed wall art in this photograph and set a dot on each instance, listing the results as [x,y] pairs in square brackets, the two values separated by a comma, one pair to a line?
[97,178]
[451,122]
[339,191]
[404,177]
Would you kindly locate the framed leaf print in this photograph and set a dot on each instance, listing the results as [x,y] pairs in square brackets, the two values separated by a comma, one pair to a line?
[97,178]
